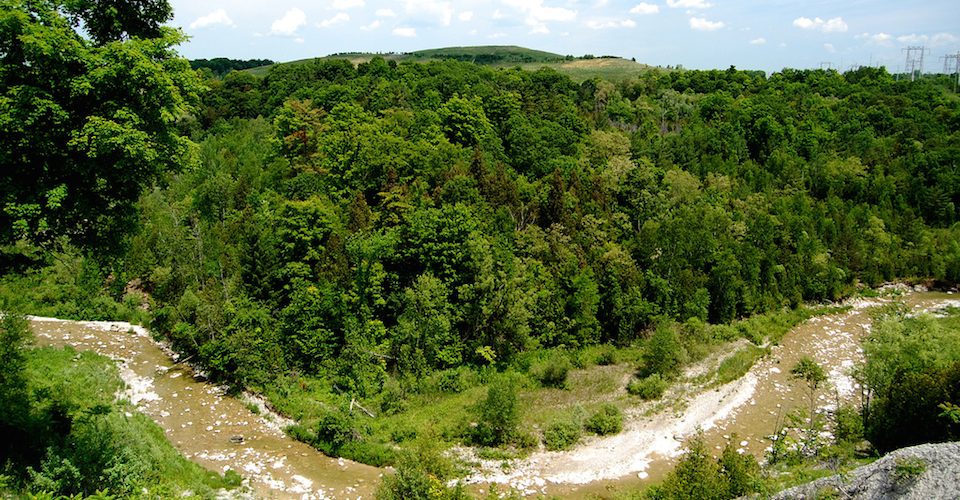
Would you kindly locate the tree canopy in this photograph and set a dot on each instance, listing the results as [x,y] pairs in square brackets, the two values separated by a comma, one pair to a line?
[88,122]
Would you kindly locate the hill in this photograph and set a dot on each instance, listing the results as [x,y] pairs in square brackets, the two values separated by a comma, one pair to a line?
[578,68]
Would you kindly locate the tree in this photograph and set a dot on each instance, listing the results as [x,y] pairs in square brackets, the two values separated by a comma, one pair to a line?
[87,124]
[808,371]
[14,337]
[499,414]
[109,20]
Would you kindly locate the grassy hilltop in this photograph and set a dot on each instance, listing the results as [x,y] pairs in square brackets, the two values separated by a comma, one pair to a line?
[578,68]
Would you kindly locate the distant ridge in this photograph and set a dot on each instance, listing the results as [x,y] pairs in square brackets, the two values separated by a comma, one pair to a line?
[578,68]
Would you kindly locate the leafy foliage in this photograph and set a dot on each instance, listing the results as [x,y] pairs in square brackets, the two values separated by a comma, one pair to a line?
[608,419]
[87,124]
[649,387]
[562,435]
[498,414]
[697,475]
[912,368]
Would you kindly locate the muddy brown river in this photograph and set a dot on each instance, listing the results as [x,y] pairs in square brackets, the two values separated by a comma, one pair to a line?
[200,419]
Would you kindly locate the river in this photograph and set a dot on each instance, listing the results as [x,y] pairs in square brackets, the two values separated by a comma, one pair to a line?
[200,419]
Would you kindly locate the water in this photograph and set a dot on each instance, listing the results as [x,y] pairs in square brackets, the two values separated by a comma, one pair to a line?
[200,419]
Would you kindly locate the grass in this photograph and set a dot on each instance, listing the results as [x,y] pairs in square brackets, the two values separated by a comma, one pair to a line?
[739,363]
[137,458]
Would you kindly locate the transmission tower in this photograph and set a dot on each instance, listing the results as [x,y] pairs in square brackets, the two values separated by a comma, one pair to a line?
[914,63]
[951,64]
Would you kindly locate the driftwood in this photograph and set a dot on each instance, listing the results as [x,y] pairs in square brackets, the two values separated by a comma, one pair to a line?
[353,402]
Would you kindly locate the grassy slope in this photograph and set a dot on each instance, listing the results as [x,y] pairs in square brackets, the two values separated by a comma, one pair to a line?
[579,69]
[81,381]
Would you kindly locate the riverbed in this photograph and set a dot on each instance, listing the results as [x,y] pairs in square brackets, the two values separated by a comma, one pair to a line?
[221,432]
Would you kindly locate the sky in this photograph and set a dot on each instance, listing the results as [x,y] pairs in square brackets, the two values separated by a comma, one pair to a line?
[697,34]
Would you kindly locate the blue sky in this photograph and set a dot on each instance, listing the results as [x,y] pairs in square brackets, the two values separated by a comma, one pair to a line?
[699,34]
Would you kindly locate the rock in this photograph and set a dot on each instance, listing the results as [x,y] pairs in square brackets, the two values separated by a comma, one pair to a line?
[894,476]
[236,439]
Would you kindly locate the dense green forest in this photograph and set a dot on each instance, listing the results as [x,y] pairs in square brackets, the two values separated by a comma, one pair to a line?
[390,219]
[379,231]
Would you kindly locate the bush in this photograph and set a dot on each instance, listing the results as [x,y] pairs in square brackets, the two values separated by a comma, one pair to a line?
[607,420]
[906,470]
[561,435]
[663,353]
[848,425]
[651,387]
[334,431]
[498,414]
[552,372]
[607,357]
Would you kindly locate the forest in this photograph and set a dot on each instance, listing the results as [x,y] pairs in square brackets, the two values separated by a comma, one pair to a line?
[330,232]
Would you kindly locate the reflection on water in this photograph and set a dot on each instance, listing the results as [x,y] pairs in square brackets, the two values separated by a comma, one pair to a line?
[215,430]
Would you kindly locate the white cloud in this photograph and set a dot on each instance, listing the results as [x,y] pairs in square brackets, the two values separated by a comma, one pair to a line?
[689,4]
[935,40]
[347,4]
[340,18]
[289,23]
[372,26]
[758,41]
[218,16]
[497,35]
[600,24]
[436,11]
[644,8]
[831,25]
[540,29]
[385,13]
[538,14]
[829,48]
[465,16]
[701,24]
[405,32]
[943,39]
[884,39]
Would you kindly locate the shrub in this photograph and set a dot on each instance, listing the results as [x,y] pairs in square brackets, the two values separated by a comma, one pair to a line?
[499,414]
[848,425]
[607,357]
[663,354]
[552,372]
[561,435]
[906,470]
[334,431]
[607,420]
[651,387]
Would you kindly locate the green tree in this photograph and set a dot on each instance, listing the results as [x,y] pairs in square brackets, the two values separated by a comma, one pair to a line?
[14,337]
[109,20]
[498,414]
[663,354]
[86,126]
